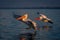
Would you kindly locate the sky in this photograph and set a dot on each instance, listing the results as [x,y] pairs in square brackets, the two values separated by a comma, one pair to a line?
[29,3]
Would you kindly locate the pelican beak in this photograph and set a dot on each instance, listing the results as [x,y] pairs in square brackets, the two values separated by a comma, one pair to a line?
[37,18]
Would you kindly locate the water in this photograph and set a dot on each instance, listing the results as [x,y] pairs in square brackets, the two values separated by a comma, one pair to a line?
[10,28]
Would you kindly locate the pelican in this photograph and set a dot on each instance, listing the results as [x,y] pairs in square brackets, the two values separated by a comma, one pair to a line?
[29,22]
[44,18]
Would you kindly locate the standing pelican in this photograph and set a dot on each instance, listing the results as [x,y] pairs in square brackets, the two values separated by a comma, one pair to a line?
[29,22]
[44,18]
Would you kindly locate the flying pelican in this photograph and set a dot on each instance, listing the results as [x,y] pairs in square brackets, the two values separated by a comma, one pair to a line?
[29,22]
[44,18]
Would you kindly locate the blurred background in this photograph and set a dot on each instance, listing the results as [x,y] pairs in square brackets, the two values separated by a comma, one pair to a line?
[29,4]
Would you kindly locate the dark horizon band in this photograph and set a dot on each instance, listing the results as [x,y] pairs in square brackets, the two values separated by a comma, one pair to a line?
[31,8]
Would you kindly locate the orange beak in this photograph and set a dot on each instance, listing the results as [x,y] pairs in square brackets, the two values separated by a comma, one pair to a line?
[37,18]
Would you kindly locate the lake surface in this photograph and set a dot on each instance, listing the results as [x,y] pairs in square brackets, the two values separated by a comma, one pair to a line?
[10,28]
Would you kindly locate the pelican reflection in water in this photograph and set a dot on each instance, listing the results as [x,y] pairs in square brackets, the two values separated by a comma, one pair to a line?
[27,36]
